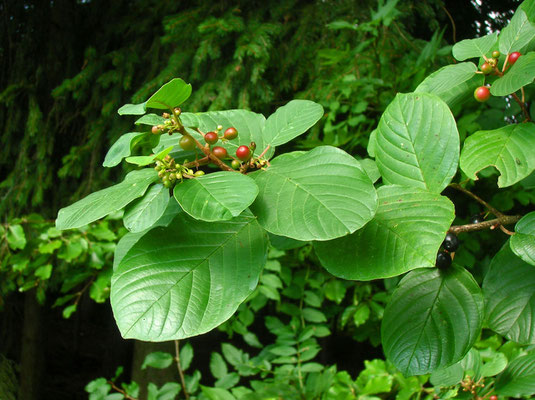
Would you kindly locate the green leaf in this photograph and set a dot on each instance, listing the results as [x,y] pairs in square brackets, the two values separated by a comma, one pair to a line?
[509,149]
[523,241]
[521,74]
[528,6]
[16,238]
[518,379]
[370,167]
[218,367]
[187,278]
[472,48]
[150,119]
[417,142]
[142,213]
[158,359]
[395,240]
[217,393]
[140,161]
[452,83]
[509,289]
[291,120]
[517,34]
[168,391]
[170,95]
[132,109]
[49,247]
[335,290]
[101,203]
[313,315]
[128,240]
[43,272]
[215,197]
[433,319]
[318,195]
[248,124]
[121,148]
[186,356]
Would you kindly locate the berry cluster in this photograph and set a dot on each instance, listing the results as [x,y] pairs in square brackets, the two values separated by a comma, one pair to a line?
[450,245]
[171,124]
[482,93]
[469,385]
[170,171]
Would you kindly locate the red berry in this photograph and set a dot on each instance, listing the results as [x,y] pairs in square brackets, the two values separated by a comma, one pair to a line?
[187,142]
[211,138]
[243,153]
[219,152]
[231,133]
[486,68]
[513,57]
[493,397]
[482,94]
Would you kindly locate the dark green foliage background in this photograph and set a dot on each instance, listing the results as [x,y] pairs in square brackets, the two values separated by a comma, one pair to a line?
[66,67]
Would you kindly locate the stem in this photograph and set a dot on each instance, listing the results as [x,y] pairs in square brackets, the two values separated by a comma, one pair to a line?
[522,106]
[490,224]
[452,23]
[118,389]
[477,198]
[197,163]
[180,372]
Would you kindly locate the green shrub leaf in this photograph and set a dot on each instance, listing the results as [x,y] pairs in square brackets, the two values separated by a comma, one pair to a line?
[215,197]
[101,203]
[318,195]
[406,233]
[150,119]
[518,379]
[509,289]
[472,48]
[517,34]
[452,83]
[523,241]
[132,109]
[170,95]
[121,148]
[417,143]
[187,278]
[291,120]
[433,319]
[509,149]
[144,212]
[521,74]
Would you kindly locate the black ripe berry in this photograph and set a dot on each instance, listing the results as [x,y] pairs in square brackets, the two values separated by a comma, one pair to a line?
[450,243]
[476,219]
[443,260]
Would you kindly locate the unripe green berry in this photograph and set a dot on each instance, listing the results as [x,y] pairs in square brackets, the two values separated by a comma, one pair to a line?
[486,68]
[231,133]
[172,176]
[156,130]
[495,54]
[235,164]
[199,173]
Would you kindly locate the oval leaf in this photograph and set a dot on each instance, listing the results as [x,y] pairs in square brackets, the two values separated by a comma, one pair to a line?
[291,120]
[433,319]
[518,379]
[523,241]
[170,95]
[318,195]
[521,74]
[121,148]
[143,213]
[150,119]
[130,239]
[217,196]
[472,48]
[187,278]
[452,83]
[509,289]
[101,203]
[132,109]
[417,143]
[509,149]
[393,242]
[517,34]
